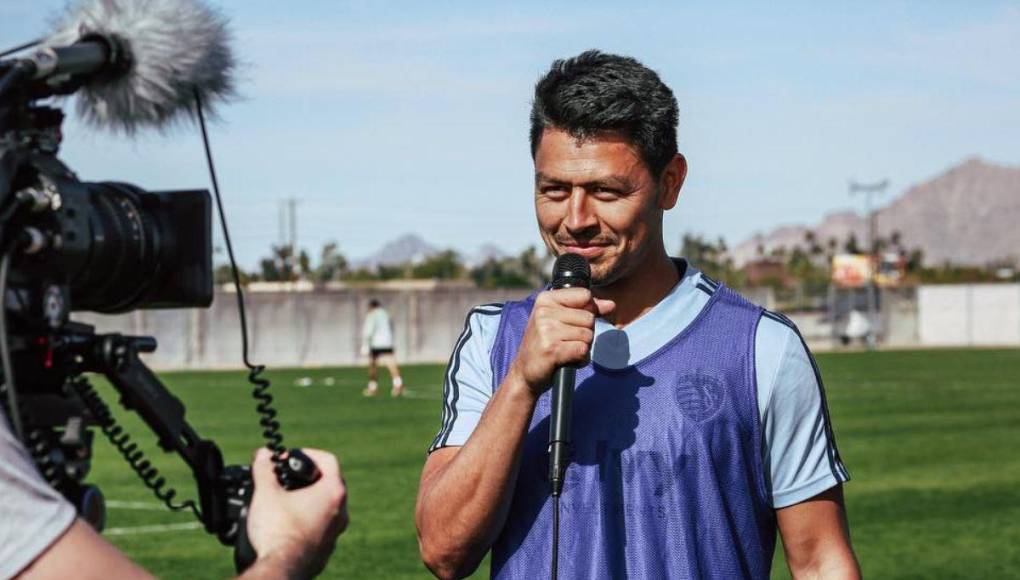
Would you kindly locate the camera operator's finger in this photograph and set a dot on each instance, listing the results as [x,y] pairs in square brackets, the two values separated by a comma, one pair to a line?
[331,479]
[327,463]
[262,473]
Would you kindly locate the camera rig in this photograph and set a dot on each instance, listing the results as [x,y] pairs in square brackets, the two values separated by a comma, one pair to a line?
[57,419]
[68,245]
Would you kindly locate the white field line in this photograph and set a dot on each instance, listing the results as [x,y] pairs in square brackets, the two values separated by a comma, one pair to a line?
[416,395]
[154,529]
[308,382]
[137,505]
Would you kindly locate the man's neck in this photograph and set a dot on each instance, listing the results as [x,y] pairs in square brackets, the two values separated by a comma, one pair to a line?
[640,291]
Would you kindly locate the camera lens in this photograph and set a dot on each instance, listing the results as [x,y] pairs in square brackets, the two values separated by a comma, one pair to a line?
[118,248]
[127,251]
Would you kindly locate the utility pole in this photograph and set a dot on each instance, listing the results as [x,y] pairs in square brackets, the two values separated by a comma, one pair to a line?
[288,230]
[869,190]
[292,203]
[281,238]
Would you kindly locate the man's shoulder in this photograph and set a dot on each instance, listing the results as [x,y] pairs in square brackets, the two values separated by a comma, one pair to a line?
[496,310]
[483,322]
[487,310]
[728,295]
[775,334]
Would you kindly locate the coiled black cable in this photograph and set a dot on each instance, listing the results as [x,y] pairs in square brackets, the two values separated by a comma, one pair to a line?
[134,456]
[270,425]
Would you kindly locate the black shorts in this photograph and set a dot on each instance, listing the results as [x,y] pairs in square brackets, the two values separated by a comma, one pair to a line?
[377,352]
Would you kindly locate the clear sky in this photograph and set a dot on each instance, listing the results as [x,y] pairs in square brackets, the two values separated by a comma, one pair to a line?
[385,118]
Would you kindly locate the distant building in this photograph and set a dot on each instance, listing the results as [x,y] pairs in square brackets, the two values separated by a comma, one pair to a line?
[767,272]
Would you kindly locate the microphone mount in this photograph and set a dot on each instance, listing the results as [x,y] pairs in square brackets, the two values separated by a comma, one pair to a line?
[62,70]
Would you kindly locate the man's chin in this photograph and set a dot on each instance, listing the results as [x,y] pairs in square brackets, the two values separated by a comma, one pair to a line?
[604,274]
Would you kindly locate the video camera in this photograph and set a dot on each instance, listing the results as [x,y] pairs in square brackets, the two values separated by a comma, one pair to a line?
[68,245]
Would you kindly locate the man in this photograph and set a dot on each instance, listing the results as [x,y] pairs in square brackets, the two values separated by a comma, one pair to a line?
[699,425]
[293,532]
[377,343]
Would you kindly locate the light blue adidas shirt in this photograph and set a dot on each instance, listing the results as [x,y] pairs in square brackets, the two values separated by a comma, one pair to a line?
[800,458]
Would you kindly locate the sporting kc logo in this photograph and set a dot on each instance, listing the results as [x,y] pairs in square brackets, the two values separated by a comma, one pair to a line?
[699,395]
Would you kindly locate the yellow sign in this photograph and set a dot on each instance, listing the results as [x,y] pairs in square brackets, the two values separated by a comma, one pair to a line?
[892,269]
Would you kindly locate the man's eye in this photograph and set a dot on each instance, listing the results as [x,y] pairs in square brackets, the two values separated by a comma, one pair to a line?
[554,191]
[607,193]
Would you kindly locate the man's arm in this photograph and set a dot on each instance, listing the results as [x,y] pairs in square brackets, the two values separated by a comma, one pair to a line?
[803,468]
[465,492]
[293,532]
[82,553]
[816,537]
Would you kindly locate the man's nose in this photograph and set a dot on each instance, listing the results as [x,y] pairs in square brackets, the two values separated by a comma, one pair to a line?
[580,214]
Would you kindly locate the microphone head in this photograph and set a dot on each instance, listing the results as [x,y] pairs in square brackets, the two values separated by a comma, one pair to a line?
[174,48]
[571,271]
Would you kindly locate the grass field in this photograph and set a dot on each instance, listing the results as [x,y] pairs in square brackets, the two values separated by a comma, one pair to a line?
[931,438]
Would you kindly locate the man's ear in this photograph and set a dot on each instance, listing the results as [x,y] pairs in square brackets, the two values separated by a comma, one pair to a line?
[671,181]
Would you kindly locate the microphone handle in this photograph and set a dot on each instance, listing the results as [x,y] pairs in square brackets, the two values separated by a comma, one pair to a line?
[559,426]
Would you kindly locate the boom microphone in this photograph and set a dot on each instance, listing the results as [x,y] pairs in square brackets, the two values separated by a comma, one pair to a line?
[569,271]
[140,62]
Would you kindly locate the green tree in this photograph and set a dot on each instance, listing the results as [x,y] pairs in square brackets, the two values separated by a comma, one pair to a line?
[279,266]
[304,264]
[526,270]
[851,246]
[445,265]
[711,258]
[223,275]
[332,264]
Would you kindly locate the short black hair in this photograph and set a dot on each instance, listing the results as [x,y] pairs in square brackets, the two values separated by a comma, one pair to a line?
[373,303]
[595,92]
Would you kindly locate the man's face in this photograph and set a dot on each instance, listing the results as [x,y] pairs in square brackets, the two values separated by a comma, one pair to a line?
[596,198]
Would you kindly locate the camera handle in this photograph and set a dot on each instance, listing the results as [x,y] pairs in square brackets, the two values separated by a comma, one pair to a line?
[301,472]
[224,491]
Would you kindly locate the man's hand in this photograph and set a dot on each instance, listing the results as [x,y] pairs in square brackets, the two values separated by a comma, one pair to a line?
[294,532]
[560,332]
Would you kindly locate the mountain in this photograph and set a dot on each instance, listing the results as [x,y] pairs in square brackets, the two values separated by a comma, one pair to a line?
[407,248]
[485,252]
[968,215]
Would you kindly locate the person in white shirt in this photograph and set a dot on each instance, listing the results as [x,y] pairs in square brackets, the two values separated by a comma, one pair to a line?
[377,344]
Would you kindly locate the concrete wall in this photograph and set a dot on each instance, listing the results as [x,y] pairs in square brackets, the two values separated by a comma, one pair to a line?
[969,315]
[898,317]
[302,328]
[322,327]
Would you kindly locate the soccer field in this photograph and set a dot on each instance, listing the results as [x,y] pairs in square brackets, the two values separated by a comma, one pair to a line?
[931,438]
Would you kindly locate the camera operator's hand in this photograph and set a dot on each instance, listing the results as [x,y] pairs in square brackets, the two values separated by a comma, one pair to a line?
[560,332]
[294,532]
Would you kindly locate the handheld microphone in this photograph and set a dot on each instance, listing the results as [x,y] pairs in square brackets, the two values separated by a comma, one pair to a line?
[139,62]
[569,271]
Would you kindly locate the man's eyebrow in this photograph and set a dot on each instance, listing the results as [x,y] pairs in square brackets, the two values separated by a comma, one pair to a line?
[611,182]
[543,178]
